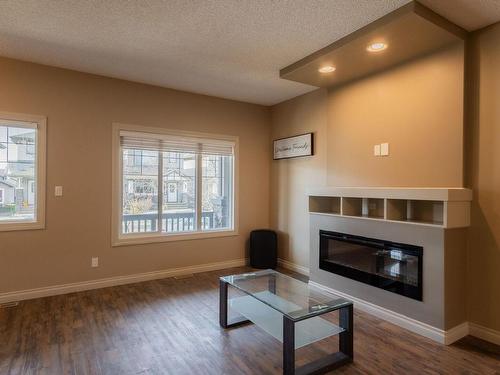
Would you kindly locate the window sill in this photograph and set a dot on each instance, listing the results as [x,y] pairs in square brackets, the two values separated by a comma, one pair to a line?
[9,226]
[140,238]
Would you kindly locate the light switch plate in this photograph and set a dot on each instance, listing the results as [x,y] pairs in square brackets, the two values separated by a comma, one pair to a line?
[384,149]
[58,191]
[376,150]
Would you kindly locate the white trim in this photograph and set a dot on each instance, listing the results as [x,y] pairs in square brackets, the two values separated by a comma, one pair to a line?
[160,190]
[377,219]
[409,193]
[116,204]
[293,267]
[199,190]
[484,333]
[423,329]
[117,280]
[2,196]
[445,337]
[139,238]
[41,156]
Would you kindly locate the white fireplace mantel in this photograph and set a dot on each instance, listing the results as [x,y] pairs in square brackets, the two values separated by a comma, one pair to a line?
[438,207]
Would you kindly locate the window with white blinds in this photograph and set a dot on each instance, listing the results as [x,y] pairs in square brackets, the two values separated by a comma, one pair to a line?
[175,184]
[172,143]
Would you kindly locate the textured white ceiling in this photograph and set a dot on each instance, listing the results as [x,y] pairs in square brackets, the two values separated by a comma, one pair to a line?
[227,48]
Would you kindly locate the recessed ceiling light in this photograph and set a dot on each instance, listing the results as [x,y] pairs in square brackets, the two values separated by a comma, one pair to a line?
[376,47]
[327,69]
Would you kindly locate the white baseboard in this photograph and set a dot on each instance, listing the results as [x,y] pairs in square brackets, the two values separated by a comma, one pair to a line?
[444,337]
[293,267]
[117,280]
[423,329]
[484,333]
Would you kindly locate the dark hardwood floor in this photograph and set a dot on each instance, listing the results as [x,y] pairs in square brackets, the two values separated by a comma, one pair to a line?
[170,326]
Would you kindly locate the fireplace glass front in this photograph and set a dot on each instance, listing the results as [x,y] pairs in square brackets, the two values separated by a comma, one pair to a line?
[388,265]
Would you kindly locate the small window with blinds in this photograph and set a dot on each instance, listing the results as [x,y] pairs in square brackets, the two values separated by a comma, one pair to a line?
[175,184]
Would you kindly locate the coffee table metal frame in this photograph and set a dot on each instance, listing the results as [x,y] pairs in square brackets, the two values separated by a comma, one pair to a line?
[327,363]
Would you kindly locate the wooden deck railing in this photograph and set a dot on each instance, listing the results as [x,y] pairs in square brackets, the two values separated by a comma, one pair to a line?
[172,222]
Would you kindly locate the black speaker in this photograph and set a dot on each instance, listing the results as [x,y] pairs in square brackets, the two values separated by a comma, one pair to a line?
[263,249]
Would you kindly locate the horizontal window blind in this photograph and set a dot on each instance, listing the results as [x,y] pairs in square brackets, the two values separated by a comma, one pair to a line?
[18,124]
[174,143]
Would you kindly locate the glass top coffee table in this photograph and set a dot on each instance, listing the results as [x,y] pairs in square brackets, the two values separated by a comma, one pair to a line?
[290,310]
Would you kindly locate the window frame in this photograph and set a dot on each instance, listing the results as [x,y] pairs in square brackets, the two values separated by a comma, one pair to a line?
[41,153]
[119,239]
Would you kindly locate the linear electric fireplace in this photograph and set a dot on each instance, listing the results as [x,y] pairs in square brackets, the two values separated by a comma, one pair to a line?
[391,266]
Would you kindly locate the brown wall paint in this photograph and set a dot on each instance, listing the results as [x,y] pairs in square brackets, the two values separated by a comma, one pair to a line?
[80,109]
[416,107]
[484,177]
[290,178]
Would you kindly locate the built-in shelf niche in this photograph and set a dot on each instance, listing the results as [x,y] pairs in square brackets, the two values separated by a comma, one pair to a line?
[352,206]
[363,207]
[441,207]
[373,207]
[327,205]
[418,211]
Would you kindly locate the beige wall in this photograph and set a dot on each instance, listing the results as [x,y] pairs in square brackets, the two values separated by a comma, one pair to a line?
[484,172]
[291,178]
[80,109]
[416,107]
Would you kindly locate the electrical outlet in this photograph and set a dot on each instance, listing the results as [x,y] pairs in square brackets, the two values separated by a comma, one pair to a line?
[376,150]
[95,262]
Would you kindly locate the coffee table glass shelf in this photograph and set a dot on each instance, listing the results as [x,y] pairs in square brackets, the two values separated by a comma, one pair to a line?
[289,310]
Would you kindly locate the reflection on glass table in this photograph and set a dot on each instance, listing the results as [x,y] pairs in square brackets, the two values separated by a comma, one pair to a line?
[290,310]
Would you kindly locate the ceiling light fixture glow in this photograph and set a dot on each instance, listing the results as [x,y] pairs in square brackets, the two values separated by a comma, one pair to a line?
[327,69]
[376,47]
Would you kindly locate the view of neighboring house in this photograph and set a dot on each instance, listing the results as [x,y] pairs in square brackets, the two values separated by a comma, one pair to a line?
[7,192]
[17,173]
[140,190]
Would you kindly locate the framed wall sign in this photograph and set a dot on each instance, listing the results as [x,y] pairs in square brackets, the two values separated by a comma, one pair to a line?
[293,147]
